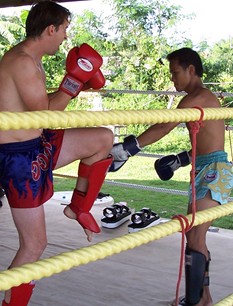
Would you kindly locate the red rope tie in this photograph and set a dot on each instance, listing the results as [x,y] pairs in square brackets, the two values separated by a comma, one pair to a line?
[195,127]
[184,222]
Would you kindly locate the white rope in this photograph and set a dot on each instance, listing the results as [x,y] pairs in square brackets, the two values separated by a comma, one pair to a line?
[155,92]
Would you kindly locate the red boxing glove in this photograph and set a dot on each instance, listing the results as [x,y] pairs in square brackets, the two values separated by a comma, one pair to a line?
[96,82]
[82,63]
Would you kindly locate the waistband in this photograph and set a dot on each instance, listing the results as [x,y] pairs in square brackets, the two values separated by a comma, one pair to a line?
[20,146]
[218,156]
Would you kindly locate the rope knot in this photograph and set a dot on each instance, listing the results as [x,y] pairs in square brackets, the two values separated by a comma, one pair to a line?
[185,227]
[195,125]
[184,222]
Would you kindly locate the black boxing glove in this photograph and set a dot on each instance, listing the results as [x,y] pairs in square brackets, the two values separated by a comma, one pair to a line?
[167,165]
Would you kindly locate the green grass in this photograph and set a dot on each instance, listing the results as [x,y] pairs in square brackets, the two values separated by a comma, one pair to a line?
[140,171]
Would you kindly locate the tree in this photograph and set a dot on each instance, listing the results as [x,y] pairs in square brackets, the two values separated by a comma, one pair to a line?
[137,51]
[219,66]
[11,32]
[88,28]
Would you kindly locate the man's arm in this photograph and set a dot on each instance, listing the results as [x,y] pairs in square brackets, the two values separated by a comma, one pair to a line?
[58,100]
[29,81]
[132,144]
[158,131]
[155,133]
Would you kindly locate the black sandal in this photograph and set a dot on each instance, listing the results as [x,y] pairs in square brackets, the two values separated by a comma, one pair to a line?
[115,215]
[143,219]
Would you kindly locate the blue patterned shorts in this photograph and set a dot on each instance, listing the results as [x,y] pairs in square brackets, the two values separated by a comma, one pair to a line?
[26,169]
[214,173]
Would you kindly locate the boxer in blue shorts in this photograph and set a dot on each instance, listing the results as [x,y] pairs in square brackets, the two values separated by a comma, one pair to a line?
[26,169]
[28,157]
[214,172]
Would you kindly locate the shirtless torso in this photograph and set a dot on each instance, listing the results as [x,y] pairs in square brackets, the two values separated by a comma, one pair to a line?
[22,81]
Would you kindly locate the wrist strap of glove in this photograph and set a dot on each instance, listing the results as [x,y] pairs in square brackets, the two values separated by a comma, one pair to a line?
[71,85]
[131,145]
[184,158]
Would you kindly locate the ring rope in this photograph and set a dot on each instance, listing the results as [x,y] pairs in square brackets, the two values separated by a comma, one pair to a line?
[228,301]
[68,119]
[65,261]
[156,92]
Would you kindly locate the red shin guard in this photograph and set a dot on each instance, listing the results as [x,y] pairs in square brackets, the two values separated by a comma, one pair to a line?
[82,203]
[20,295]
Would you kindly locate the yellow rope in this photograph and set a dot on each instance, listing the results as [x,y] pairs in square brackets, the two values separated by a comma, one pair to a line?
[65,261]
[68,119]
[228,301]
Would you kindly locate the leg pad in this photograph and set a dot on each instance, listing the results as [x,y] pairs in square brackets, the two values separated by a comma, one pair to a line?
[81,203]
[20,295]
[195,270]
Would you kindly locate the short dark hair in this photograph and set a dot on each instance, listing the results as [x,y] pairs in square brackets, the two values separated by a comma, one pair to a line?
[186,57]
[44,14]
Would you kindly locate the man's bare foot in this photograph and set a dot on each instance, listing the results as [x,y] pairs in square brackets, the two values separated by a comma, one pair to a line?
[89,234]
[71,215]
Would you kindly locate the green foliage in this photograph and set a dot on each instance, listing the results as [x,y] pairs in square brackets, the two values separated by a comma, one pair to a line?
[55,68]
[218,65]
[176,141]
[11,32]
[151,17]
[87,28]
[82,102]
[23,16]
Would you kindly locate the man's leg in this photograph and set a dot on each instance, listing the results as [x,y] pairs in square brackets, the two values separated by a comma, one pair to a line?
[30,224]
[92,147]
[82,202]
[20,295]
[198,258]
[196,279]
